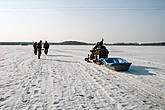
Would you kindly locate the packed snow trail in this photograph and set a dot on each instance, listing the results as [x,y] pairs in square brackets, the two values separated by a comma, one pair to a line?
[63,80]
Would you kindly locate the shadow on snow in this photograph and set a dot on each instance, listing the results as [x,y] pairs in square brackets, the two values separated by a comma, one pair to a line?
[141,70]
[65,61]
[60,55]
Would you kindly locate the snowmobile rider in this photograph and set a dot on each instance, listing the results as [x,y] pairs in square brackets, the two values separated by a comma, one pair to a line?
[98,45]
[95,50]
[35,48]
[46,47]
[39,48]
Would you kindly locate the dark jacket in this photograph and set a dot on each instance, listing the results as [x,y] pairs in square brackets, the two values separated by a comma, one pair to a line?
[46,45]
[35,45]
[39,46]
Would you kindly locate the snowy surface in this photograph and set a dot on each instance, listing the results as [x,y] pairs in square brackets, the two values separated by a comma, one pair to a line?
[64,81]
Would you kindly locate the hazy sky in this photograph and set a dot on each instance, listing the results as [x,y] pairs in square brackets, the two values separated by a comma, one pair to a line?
[83,20]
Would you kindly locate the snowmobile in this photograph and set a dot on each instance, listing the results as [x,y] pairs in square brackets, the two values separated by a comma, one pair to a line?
[99,51]
[99,55]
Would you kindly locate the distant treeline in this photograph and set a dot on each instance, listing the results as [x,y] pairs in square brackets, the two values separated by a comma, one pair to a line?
[83,43]
[139,44]
[16,43]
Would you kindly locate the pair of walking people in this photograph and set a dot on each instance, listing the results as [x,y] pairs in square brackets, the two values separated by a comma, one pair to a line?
[38,47]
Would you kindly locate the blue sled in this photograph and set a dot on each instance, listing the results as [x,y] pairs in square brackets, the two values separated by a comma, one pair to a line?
[117,64]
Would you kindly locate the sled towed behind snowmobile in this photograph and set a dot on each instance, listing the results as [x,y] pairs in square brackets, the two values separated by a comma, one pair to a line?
[117,64]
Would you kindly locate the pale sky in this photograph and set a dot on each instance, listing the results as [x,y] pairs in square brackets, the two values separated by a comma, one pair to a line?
[82,20]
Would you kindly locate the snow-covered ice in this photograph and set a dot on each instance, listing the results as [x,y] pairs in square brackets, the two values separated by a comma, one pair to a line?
[62,80]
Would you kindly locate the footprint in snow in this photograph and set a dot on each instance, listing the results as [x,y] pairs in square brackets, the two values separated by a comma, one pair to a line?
[81,95]
[33,85]
[56,102]
[90,97]
[65,86]
[83,106]
[16,83]
[39,81]
[2,99]
[27,92]
[36,91]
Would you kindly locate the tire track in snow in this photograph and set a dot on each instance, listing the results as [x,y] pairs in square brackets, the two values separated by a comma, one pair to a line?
[70,94]
[91,73]
[112,87]
[151,93]
[16,76]
[23,97]
[158,77]
[84,82]
[115,88]
[49,88]
[155,96]
[93,91]
[39,87]
[112,102]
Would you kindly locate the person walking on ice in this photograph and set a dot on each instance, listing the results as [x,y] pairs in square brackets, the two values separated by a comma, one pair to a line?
[46,47]
[35,48]
[39,48]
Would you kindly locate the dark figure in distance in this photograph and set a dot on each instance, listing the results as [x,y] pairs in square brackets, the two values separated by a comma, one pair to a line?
[46,47]
[39,48]
[35,48]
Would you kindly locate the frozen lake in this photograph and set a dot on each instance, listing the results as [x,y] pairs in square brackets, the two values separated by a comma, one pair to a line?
[63,80]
